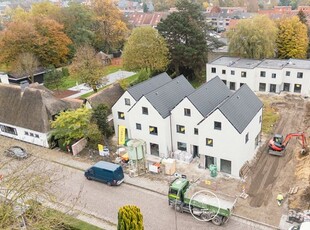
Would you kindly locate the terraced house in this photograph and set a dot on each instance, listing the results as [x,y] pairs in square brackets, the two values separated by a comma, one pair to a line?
[269,75]
[213,123]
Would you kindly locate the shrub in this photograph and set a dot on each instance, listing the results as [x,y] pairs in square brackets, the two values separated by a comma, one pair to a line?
[129,218]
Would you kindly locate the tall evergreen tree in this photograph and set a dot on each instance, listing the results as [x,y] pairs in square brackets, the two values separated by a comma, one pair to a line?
[129,218]
[185,33]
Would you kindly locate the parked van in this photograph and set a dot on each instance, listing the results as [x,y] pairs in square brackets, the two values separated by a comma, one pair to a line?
[106,172]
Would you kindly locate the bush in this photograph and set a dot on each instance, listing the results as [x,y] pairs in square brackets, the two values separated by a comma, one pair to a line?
[65,72]
[130,217]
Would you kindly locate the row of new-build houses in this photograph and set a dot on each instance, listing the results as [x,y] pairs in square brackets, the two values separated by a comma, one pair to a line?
[220,126]
[270,75]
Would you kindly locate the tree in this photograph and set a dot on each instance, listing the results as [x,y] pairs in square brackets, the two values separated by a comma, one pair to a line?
[185,33]
[100,117]
[88,67]
[53,79]
[253,38]
[110,29]
[22,186]
[71,125]
[41,36]
[146,49]
[26,64]
[45,8]
[78,21]
[130,217]
[292,40]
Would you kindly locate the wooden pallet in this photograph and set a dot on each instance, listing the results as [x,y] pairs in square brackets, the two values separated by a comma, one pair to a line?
[293,190]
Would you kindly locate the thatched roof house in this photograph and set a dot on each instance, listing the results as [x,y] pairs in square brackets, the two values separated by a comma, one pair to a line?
[108,96]
[29,110]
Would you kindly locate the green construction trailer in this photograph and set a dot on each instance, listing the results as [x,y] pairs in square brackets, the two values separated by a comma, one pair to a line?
[201,203]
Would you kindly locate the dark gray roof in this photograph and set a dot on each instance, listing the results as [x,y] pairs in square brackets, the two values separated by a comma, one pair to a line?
[165,98]
[241,108]
[298,63]
[137,91]
[208,96]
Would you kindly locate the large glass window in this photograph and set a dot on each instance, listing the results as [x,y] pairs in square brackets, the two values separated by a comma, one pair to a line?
[286,87]
[182,146]
[297,88]
[8,129]
[225,166]
[232,86]
[138,126]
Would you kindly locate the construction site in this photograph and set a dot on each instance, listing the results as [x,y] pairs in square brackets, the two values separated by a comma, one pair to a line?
[268,175]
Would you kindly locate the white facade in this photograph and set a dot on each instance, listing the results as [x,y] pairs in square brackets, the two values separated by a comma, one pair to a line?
[227,143]
[23,134]
[150,127]
[122,106]
[4,78]
[270,76]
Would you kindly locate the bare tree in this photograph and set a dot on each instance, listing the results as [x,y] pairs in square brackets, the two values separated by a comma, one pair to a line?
[26,63]
[26,187]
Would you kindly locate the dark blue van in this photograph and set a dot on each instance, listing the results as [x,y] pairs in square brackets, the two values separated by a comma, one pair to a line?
[106,172]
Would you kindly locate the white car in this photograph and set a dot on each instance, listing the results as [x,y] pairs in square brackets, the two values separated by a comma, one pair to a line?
[302,226]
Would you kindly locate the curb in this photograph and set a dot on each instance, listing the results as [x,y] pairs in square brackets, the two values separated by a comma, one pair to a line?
[259,224]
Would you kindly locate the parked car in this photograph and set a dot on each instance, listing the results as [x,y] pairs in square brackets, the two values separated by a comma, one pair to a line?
[106,172]
[16,152]
[302,226]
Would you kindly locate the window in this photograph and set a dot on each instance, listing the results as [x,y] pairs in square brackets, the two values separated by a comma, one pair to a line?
[223,71]
[187,112]
[288,73]
[286,87]
[247,138]
[154,149]
[273,75]
[26,133]
[121,115]
[217,125]
[213,70]
[232,86]
[209,142]
[31,134]
[224,81]
[272,88]
[299,75]
[195,131]
[297,88]
[241,84]
[180,129]
[182,146]
[262,73]
[225,166]
[145,111]
[243,74]
[153,130]
[127,101]
[232,72]
[262,87]
[209,161]
[260,119]
[36,135]
[256,140]
[8,129]
[138,126]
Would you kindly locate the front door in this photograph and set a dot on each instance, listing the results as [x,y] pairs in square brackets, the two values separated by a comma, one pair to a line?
[273,88]
[195,151]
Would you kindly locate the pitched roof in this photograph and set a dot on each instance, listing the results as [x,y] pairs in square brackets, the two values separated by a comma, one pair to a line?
[137,91]
[208,96]
[241,108]
[107,96]
[31,109]
[165,98]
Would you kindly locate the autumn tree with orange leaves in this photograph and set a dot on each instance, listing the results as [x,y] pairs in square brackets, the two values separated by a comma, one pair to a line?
[39,35]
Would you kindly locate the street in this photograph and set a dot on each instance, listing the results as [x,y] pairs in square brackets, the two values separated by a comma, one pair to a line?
[103,201]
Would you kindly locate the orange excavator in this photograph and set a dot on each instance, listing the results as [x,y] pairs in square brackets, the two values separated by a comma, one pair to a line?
[277,145]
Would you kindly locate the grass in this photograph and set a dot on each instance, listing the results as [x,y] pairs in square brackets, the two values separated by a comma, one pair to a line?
[111,69]
[270,117]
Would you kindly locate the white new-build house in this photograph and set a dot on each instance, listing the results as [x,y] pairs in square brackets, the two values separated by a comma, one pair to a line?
[219,126]
[269,75]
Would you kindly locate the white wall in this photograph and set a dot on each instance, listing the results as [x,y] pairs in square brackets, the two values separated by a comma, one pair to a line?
[41,140]
[120,106]
[292,79]
[278,81]
[178,118]
[163,139]
[228,144]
